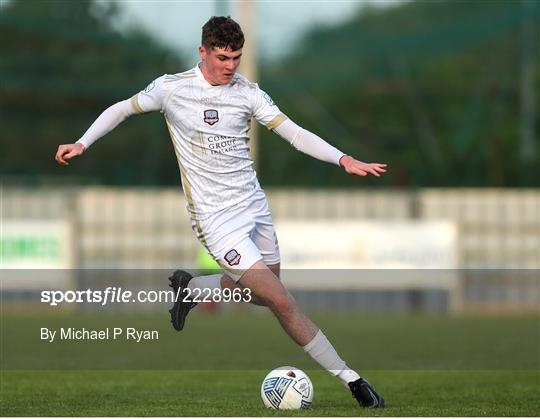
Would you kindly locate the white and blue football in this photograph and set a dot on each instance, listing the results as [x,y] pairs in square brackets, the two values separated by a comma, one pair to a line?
[287,388]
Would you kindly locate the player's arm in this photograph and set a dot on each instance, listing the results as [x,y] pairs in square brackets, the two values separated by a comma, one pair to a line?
[150,99]
[105,123]
[314,146]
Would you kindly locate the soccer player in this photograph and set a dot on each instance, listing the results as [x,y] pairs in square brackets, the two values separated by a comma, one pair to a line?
[208,111]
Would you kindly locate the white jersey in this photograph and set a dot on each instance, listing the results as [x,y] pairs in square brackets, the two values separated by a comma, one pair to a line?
[209,128]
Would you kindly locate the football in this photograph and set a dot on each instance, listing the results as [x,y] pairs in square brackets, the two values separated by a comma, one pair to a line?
[287,388]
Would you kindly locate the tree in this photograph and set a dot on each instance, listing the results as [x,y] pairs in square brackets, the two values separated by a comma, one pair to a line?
[430,87]
[62,64]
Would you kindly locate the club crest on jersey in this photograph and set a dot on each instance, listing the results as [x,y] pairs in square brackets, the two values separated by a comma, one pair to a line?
[233,257]
[211,116]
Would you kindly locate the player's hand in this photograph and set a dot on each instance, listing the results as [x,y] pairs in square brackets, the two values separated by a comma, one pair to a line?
[356,167]
[68,151]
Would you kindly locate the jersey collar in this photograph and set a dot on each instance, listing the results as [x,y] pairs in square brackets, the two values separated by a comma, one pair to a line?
[200,76]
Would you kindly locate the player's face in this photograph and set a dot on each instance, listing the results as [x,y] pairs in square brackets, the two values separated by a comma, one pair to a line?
[219,64]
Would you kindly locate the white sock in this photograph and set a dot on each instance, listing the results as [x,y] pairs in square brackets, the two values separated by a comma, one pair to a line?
[207,281]
[347,375]
[322,351]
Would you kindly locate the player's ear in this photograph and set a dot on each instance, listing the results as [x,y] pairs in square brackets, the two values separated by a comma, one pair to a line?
[202,52]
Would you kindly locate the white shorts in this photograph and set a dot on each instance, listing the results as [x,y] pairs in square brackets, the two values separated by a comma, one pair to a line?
[240,236]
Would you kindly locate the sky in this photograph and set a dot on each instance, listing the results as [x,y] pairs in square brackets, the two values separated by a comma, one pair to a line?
[279,24]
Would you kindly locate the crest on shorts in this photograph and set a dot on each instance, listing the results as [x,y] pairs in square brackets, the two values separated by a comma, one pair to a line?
[233,257]
[211,116]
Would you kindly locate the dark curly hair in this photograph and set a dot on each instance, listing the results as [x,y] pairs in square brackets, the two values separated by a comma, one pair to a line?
[222,32]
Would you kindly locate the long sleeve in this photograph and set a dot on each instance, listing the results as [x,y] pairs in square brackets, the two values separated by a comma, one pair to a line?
[107,121]
[307,142]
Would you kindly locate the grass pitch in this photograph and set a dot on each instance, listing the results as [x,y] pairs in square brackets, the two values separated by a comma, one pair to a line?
[422,365]
[236,393]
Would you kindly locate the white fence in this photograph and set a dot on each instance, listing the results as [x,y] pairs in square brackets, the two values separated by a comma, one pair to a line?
[149,228]
[498,228]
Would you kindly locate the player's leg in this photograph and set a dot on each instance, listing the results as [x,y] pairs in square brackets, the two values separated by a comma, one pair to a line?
[266,286]
[297,325]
